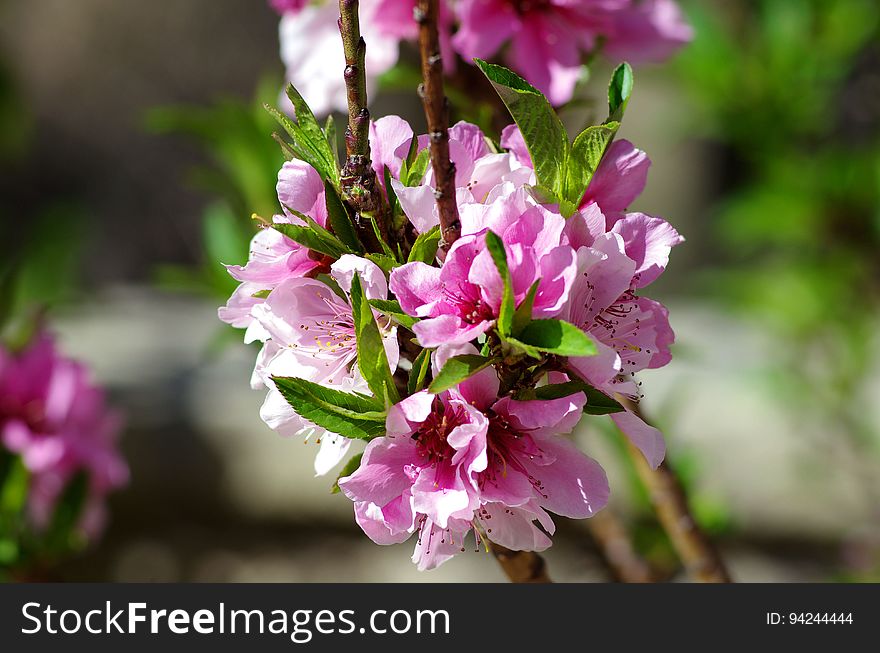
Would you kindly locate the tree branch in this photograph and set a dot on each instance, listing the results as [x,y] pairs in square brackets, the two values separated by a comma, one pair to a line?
[437,114]
[617,549]
[700,557]
[521,566]
[359,185]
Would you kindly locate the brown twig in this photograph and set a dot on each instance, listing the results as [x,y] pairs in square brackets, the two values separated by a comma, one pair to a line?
[360,187]
[700,557]
[437,114]
[617,550]
[521,566]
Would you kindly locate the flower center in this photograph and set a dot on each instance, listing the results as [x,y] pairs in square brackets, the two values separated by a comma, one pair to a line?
[469,303]
[523,7]
[433,433]
[31,413]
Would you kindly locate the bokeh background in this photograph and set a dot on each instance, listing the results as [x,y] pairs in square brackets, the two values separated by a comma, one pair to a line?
[133,150]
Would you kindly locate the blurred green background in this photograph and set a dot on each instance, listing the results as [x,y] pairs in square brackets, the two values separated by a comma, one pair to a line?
[133,150]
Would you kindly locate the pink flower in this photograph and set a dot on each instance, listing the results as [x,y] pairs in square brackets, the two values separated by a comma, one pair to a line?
[311,49]
[57,421]
[618,181]
[464,459]
[460,300]
[648,31]
[480,175]
[310,335]
[632,333]
[549,39]
[287,6]
[275,258]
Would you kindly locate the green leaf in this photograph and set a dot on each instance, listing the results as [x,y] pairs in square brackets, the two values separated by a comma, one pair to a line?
[304,148]
[62,532]
[14,484]
[419,372]
[619,91]
[389,191]
[499,255]
[587,151]
[339,220]
[313,137]
[262,294]
[351,415]
[557,337]
[386,250]
[598,403]
[523,314]
[315,238]
[541,128]
[407,163]
[372,360]
[330,136]
[416,172]
[288,151]
[350,468]
[391,308]
[9,552]
[384,261]
[425,247]
[456,370]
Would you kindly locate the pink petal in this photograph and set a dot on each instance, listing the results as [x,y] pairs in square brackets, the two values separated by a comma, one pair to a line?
[299,186]
[648,242]
[513,528]
[585,226]
[403,417]
[419,205]
[448,329]
[381,476]
[575,485]
[390,137]
[620,178]
[646,438]
[371,276]
[416,285]
[391,524]
[512,140]
[484,26]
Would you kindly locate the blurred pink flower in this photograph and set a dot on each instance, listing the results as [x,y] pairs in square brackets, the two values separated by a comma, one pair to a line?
[311,48]
[648,31]
[549,39]
[287,6]
[57,421]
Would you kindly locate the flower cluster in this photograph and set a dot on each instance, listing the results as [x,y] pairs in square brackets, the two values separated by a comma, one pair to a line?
[545,41]
[57,423]
[532,318]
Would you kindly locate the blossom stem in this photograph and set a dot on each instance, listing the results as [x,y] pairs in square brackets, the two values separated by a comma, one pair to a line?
[521,566]
[360,187]
[700,557]
[436,108]
[617,549]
